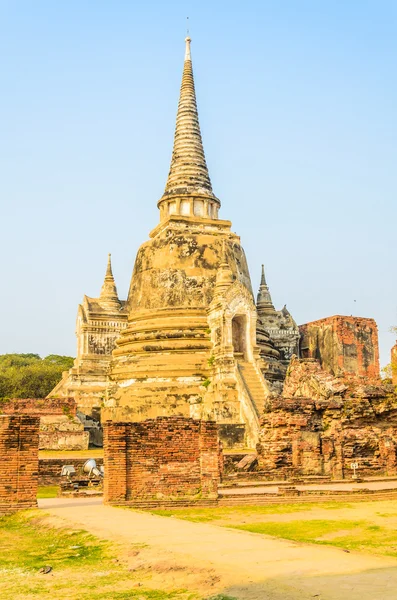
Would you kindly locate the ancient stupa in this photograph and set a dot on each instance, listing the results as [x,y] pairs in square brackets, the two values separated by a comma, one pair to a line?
[193,345]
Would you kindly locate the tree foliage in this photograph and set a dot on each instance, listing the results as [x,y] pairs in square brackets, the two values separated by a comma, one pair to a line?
[29,376]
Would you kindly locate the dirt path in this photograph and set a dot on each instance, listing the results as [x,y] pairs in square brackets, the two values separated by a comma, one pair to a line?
[241,564]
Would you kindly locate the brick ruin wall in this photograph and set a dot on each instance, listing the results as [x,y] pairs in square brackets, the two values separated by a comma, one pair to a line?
[323,424]
[343,345]
[164,458]
[60,429]
[38,406]
[19,462]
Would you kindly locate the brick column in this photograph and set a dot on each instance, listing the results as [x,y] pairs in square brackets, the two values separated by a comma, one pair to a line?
[19,462]
[209,458]
[115,461]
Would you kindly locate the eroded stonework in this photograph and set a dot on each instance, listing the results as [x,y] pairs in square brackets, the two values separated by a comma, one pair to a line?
[323,423]
[99,323]
[279,324]
[343,345]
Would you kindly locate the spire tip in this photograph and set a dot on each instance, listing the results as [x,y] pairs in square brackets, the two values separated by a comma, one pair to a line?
[188,39]
[263,278]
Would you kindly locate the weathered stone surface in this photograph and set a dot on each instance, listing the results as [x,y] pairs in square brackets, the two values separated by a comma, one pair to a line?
[343,345]
[62,433]
[278,324]
[322,424]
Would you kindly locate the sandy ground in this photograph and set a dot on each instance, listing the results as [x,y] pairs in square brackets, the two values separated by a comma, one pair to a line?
[220,560]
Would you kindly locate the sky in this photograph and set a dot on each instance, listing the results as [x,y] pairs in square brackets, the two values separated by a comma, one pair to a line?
[297,103]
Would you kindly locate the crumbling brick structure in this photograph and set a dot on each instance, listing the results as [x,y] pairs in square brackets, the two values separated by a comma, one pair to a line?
[342,345]
[19,462]
[60,429]
[323,424]
[39,407]
[164,458]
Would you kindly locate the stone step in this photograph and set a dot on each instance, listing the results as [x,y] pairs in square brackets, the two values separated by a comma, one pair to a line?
[253,384]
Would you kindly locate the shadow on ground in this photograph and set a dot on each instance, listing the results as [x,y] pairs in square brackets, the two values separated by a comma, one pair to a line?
[379,584]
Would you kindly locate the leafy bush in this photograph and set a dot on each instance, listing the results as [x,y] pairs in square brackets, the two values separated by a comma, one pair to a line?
[29,376]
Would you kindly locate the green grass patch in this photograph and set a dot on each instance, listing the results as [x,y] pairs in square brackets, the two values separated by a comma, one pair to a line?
[343,533]
[48,491]
[29,544]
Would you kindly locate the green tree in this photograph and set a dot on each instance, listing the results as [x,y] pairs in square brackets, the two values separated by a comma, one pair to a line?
[29,376]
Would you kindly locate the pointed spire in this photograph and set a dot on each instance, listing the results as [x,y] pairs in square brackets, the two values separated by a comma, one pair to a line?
[264,300]
[109,272]
[188,175]
[109,291]
[263,279]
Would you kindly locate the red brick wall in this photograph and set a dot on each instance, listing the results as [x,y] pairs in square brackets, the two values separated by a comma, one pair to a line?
[343,345]
[167,457]
[38,406]
[19,462]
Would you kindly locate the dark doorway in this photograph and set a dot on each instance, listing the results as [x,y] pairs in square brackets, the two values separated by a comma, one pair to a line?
[239,335]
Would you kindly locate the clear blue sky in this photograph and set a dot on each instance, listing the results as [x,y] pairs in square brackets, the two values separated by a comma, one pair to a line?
[297,102]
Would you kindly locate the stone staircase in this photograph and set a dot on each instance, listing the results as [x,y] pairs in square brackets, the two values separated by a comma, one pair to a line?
[254,385]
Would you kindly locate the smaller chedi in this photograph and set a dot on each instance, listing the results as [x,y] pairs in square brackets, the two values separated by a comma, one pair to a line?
[279,324]
[99,323]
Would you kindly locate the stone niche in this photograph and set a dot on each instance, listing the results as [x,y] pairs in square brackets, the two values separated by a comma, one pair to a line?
[342,345]
[168,458]
[19,462]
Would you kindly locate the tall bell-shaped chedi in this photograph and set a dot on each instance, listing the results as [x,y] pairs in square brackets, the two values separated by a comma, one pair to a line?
[190,347]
